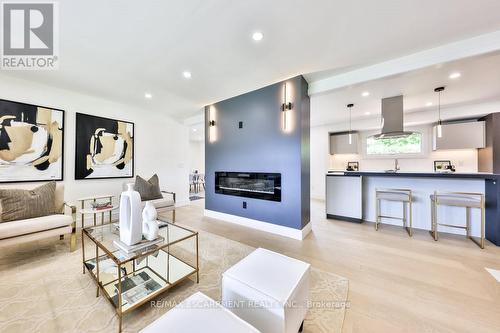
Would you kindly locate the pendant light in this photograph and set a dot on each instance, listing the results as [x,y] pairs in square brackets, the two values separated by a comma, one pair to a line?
[439,126]
[349,107]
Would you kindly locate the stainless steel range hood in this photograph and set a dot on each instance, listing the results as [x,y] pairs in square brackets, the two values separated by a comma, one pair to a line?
[392,119]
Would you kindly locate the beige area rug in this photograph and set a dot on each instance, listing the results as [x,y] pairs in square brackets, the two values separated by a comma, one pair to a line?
[42,289]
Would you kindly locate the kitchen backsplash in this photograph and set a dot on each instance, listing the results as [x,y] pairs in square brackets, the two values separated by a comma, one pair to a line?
[465,160]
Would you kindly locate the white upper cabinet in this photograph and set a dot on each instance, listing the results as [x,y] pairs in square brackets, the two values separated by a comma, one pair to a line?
[460,136]
[339,143]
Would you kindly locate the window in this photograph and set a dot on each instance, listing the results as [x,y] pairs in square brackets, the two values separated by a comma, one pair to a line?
[410,145]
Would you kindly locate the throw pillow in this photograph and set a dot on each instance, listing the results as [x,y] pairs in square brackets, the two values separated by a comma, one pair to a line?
[25,204]
[148,189]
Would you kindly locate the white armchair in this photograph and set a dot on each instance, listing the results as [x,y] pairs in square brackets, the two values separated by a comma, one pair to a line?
[162,205]
[26,230]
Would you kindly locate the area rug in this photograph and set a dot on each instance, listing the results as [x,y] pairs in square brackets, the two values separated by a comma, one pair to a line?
[42,289]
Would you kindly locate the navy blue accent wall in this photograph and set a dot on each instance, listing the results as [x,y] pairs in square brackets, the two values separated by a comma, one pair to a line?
[262,146]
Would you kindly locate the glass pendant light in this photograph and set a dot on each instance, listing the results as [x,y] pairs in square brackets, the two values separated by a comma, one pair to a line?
[440,125]
[349,106]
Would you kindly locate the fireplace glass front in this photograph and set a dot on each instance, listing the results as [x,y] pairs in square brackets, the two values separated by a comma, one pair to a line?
[258,185]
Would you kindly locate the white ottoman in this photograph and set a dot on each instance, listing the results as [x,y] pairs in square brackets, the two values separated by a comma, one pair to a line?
[199,313]
[268,290]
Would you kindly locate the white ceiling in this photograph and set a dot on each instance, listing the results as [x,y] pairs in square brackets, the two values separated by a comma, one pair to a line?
[120,49]
[479,83]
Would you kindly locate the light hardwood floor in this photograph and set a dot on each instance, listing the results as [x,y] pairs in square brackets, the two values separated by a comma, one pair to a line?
[396,283]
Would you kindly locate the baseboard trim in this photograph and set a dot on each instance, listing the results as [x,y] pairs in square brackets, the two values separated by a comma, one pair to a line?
[298,234]
[344,218]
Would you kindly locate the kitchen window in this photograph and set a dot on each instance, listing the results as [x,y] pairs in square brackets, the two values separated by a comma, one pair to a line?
[411,144]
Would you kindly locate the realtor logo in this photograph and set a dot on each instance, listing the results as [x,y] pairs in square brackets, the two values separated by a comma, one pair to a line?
[30,36]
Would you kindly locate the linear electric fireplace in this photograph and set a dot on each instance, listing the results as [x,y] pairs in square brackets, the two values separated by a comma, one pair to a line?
[258,185]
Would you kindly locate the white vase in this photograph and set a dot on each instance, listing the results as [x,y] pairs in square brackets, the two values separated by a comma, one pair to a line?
[150,227]
[149,212]
[150,230]
[130,216]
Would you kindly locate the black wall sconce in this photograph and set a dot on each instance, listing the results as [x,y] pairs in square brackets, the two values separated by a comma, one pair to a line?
[286,108]
[212,132]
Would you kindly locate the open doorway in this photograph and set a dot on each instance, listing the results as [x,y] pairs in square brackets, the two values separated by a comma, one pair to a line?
[197,163]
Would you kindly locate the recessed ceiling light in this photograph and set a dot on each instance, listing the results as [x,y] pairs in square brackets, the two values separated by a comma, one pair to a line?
[186,74]
[194,129]
[455,75]
[367,113]
[365,94]
[148,95]
[428,104]
[257,36]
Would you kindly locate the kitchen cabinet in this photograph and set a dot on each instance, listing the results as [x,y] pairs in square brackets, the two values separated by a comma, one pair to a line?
[489,156]
[344,197]
[465,135]
[339,143]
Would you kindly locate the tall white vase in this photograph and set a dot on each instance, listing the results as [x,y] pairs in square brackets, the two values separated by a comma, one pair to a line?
[130,216]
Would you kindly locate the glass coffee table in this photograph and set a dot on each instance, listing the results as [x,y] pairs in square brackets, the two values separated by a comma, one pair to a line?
[129,280]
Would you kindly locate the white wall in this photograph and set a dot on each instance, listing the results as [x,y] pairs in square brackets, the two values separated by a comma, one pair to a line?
[197,156]
[321,161]
[160,142]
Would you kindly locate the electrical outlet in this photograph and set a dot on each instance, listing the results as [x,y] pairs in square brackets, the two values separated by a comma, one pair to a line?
[244,205]
[240,124]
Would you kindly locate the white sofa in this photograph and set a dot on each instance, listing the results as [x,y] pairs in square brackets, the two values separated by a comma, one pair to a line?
[162,205]
[20,231]
[268,290]
[199,313]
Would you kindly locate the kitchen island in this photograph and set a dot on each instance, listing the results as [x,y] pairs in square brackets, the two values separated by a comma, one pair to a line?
[350,196]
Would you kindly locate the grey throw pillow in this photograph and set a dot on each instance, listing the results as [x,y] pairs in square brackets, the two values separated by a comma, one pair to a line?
[26,204]
[148,189]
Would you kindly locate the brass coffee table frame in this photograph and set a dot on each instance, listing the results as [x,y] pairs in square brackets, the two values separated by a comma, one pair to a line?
[164,247]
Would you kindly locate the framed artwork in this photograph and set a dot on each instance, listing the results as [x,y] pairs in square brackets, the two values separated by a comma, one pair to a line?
[104,148]
[31,142]
[352,166]
[441,165]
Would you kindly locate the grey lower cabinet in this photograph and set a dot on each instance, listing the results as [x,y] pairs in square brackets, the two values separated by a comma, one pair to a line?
[339,143]
[344,197]
[465,135]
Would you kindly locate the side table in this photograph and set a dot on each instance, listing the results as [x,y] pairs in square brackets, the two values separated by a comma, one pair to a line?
[90,210]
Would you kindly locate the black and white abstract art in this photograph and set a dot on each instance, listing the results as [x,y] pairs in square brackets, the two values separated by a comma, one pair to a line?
[104,148]
[31,142]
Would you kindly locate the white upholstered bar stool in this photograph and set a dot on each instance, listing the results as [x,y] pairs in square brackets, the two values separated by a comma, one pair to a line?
[458,199]
[399,195]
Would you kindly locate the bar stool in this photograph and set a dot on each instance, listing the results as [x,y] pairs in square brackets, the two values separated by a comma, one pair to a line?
[400,195]
[458,199]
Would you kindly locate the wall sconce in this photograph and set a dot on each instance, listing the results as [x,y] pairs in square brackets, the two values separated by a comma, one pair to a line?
[286,108]
[212,132]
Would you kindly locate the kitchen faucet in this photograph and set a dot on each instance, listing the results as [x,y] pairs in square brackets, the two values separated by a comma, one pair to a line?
[396,164]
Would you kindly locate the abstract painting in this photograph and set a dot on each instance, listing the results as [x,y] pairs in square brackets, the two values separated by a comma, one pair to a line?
[104,148]
[31,142]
